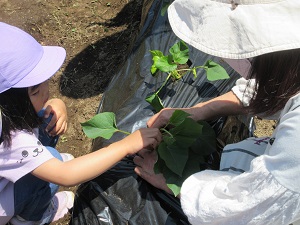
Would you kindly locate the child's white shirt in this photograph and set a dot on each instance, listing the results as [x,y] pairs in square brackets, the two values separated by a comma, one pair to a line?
[25,154]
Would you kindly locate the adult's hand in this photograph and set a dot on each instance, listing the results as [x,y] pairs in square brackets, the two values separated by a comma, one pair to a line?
[145,160]
[161,118]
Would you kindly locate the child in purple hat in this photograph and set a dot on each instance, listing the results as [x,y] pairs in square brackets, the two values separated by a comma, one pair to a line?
[30,171]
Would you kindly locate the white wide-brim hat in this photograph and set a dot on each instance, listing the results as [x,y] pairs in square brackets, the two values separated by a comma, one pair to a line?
[237,29]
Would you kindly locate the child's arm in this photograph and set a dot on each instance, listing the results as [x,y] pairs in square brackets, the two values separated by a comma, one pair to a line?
[89,166]
[58,123]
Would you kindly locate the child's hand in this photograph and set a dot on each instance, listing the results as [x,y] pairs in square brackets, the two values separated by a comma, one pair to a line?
[143,138]
[58,124]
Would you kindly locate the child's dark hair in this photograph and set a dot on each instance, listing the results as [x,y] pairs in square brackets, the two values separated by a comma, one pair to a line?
[277,78]
[18,113]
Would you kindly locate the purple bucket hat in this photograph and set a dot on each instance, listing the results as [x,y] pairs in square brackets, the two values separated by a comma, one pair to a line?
[23,61]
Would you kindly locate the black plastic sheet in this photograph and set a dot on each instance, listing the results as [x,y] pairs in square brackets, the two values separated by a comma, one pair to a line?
[119,196]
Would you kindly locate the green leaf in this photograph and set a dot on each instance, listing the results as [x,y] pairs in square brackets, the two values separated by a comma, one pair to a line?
[178,117]
[188,128]
[214,71]
[180,52]
[194,72]
[165,64]
[155,102]
[173,181]
[101,125]
[192,165]
[174,188]
[153,70]
[176,142]
[164,8]
[156,54]
[183,149]
[205,144]
[168,138]
[185,141]
[175,158]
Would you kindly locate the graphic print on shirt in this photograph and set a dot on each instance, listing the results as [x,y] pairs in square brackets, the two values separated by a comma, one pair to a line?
[263,140]
[35,152]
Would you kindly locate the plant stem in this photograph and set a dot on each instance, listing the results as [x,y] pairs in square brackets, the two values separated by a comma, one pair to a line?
[167,132]
[124,132]
[169,75]
[196,67]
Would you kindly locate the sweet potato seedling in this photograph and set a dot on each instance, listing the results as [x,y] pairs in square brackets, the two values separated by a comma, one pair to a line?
[185,142]
[172,63]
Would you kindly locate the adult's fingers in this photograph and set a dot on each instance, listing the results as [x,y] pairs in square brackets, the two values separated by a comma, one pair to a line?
[157,180]
[146,160]
[152,122]
[138,160]
[145,174]
[143,153]
[160,119]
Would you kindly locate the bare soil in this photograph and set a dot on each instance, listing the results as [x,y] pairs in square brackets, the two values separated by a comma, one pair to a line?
[97,35]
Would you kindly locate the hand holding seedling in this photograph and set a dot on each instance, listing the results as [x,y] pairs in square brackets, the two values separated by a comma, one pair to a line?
[148,138]
[161,118]
[185,142]
[145,161]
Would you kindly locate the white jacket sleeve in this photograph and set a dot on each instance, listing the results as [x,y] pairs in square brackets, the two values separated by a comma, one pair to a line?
[254,197]
[245,91]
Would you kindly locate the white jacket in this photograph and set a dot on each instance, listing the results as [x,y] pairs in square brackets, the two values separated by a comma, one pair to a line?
[268,192]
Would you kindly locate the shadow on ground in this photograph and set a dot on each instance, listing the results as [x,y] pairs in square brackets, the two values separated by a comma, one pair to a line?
[89,72]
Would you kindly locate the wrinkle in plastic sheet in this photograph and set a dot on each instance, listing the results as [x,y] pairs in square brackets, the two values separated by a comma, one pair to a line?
[119,196]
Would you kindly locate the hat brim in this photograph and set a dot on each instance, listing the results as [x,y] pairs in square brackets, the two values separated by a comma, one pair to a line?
[52,59]
[248,30]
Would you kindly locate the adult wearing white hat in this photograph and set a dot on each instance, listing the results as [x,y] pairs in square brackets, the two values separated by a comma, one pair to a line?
[259,181]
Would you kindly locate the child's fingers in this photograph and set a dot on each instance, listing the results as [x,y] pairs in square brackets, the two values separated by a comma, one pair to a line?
[151,141]
[52,123]
[47,111]
[59,128]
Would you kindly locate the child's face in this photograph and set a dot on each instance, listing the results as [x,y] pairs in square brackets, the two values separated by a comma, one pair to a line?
[39,95]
